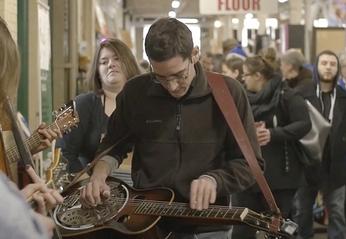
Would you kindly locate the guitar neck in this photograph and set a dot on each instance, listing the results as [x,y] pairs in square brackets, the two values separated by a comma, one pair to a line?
[214,214]
[32,142]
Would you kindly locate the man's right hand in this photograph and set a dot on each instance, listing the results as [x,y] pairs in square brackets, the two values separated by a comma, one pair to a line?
[93,193]
[96,190]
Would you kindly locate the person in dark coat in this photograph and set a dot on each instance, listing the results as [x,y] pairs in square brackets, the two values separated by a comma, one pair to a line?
[180,137]
[281,118]
[295,75]
[330,100]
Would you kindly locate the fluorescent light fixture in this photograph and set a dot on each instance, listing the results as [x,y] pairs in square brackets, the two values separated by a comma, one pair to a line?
[282,1]
[248,15]
[188,20]
[272,22]
[321,22]
[175,4]
[217,23]
[172,14]
[235,20]
[251,23]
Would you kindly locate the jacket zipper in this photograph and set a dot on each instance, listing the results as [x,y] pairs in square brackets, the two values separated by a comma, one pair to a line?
[178,116]
[178,129]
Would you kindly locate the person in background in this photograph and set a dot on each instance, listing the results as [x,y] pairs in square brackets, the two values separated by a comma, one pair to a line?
[270,55]
[294,73]
[330,100]
[342,80]
[158,115]
[232,48]
[17,220]
[217,61]
[113,65]
[299,78]
[281,119]
[233,67]
[144,66]
[207,61]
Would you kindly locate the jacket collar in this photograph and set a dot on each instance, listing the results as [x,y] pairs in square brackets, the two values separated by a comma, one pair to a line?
[199,86]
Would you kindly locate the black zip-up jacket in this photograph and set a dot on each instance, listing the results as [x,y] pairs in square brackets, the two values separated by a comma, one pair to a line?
[177,140]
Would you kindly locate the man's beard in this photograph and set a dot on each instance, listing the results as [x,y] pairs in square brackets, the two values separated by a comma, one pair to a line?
[327,81]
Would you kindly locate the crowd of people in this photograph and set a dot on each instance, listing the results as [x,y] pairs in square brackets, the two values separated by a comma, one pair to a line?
[168,119]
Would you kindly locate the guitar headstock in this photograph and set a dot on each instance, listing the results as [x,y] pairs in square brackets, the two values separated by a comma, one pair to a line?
[66,117]
[285,229]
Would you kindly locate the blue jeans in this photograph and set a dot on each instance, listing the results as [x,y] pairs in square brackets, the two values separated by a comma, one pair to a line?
[303,203]
[335,203]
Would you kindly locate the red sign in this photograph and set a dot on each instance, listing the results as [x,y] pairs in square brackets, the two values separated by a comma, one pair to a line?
[237,6]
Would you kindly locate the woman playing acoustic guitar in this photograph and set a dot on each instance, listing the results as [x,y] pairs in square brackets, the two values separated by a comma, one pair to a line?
[17,220]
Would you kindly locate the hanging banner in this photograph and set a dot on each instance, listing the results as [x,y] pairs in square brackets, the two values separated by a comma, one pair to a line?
[224,7]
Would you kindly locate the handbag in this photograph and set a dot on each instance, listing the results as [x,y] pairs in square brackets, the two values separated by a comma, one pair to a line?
[312,144]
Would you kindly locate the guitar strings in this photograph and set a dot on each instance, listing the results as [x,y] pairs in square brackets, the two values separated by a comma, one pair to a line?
[175,206]
[256,220]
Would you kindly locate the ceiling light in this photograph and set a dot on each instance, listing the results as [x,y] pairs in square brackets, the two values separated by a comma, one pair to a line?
[321,22]
[172,14]
[282,1]
[175,4]
[188,20]
[248,15]
[235,20]
[217,23]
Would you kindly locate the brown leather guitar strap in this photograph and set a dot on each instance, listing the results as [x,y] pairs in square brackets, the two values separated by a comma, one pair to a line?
[227,106]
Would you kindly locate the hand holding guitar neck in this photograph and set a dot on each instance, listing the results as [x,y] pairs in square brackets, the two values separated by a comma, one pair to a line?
[47,135]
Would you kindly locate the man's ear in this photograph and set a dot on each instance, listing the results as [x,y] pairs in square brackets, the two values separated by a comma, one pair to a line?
[195,55]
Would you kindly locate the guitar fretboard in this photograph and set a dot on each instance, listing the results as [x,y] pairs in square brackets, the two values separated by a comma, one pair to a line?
[181,210]
[221,214]
[33,141]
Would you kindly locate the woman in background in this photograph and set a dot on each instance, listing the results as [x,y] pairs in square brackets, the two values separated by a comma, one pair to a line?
[233,67]
[281,119]
[112,66]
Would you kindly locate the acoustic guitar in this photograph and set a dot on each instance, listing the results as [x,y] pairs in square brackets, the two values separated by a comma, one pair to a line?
[134,213]
[65,118]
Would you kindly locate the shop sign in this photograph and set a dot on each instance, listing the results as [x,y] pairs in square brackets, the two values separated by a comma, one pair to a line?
[223,7]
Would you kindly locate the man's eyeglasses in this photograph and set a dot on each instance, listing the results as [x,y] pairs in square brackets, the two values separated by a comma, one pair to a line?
[179,77]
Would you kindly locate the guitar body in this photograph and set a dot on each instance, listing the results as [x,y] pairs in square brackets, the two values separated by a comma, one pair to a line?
[119,216]
[134,213]
[153,233]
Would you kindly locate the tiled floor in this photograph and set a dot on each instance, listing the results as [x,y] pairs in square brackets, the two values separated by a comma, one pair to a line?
[320,232]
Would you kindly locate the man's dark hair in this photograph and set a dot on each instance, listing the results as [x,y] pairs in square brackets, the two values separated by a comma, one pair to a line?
[167,38]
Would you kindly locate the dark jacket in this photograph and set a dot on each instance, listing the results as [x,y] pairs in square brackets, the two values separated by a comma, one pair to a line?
[332,171]
[336,171]
[286,116]
[334,160]
[80,145]
[303,83]
[176,141]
